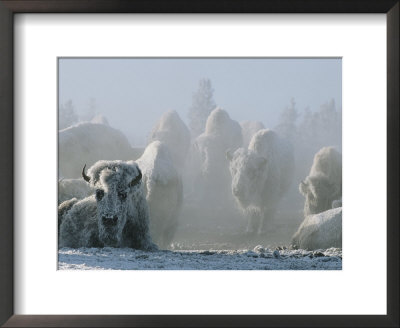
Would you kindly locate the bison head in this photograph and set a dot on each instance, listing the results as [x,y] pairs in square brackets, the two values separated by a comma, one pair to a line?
[319,193]
[117,185]
[249,173]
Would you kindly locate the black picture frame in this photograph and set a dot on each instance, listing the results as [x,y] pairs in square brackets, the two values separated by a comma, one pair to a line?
[10,7]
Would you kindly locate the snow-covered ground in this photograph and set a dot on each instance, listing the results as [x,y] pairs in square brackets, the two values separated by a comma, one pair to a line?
[259,258]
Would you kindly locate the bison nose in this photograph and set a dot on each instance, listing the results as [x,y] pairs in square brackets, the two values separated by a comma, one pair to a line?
[109,221]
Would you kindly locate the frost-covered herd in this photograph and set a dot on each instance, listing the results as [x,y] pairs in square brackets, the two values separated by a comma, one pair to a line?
[133,198]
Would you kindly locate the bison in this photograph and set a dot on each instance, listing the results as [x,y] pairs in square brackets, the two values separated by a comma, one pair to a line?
[116,215]
[322,230]
[171,130]
[88,143]
[261,175]
[249,128]
[164,191]
[73,188]
[209,160]
[322,188]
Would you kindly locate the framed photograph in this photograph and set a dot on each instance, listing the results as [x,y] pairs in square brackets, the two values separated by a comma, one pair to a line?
[141,142]
[206,150]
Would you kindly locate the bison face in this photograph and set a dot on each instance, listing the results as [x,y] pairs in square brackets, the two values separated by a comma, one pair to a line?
[116,189]
[249,173]
[112,208]
[319,193]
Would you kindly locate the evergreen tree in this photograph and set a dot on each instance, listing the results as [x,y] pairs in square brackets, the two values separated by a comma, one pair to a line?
[322,128]
[202,105]
[287,126]
[66,115]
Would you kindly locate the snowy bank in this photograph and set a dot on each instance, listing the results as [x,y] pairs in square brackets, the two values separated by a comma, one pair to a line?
[259,258]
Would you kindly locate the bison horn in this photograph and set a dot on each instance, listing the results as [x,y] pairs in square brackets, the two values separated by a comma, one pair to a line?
[85,177]
[136,180]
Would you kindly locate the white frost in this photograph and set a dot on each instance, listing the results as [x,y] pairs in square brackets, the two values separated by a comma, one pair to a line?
[321,230]
[164,192]
[128,259]
[87,143]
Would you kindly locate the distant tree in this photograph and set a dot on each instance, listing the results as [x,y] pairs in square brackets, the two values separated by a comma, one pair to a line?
[202,105]
[66,115]
[322,128]
[309,131]
[316,130]
[287,126]
[90,112]
[331,123]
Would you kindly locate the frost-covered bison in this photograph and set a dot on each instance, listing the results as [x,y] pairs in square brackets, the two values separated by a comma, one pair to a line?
[221,133]
[89,143]
[261,175]
[337,203]
[163,190]
[116,216]
[171,130]
[320,231]
[99,119]
[73,188]
[249,128]
[322,188]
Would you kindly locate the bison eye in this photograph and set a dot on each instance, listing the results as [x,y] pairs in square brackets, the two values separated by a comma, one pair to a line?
[99,194]
[122,195]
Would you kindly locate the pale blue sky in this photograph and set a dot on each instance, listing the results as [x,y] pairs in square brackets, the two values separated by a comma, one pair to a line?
[134,93]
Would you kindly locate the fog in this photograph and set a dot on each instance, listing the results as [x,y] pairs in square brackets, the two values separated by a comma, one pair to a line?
[134,93]
[300,99]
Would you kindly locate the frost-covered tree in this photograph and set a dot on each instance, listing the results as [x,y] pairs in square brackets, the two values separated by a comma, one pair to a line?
[317,129]
[202,105]
[287,126]
[90,112]
[66,115]
[309,131]
[321,128]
